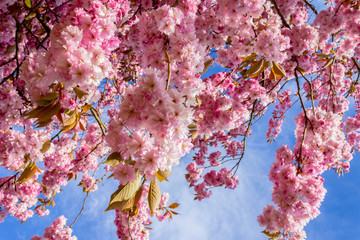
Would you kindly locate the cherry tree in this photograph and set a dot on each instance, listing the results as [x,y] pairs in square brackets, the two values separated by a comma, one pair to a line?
[88,85]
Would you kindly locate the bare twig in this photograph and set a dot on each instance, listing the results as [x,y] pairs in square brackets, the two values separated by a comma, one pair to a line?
[169,68]
[136,12]
[9,179]
[244,140]
[280,14]
[87,194]
[311,89]
[81,210]
[312,7]
[301,100]
[129,227]
[358,68]
[338,8]
[98,120]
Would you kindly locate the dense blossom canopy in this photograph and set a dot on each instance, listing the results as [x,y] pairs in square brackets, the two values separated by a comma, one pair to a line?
[118,84]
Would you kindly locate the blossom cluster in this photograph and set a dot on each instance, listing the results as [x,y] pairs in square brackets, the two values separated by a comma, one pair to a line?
[83,79]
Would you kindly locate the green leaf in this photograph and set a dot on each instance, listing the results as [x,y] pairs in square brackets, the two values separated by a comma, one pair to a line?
[154,196]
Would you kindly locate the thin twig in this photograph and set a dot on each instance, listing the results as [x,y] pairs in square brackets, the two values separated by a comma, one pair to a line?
[98,120]
[280,14]
[87,194]
[137,10]
[8,180]
[245,137]
[301,100]
[129,227]
[311,90]
[299,158]
[82,209]
[312,7]
[169,68]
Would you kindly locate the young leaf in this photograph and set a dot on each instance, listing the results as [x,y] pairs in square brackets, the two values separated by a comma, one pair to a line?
[60,118]
[28,3]
[162,175]
[250,57]
[328,63]
[28,172]
[81,125]
[133,201]
[45,146]
[121,196]
[80,92]
[43,124]
[207,65]
[116,205]
[272,235]
[86,107]
[71,119]
[48,112]
[114,159]
[278,70]
[173,205]
[255,69]
[48,99]
[35,113]
[154,196]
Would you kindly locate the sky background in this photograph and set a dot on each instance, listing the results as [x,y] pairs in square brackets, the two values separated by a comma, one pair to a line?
[227,215]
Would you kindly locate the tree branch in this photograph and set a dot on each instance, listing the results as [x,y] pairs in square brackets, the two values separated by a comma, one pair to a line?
[169,69]
[280,14]
[312,7]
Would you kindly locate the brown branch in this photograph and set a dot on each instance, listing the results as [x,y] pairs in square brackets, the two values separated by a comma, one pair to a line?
[331,90]
[312,7]
[301,100]
[338,8]
[236,166]
[98,120]
[299,158]
[37,39]
[358,68]
[8,180]
[311,89]
[169,68]
[280,14]
[136,12]
[82,209]
[129,227]
[88,193]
